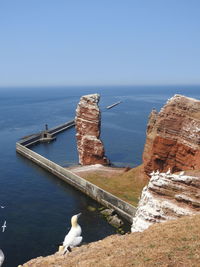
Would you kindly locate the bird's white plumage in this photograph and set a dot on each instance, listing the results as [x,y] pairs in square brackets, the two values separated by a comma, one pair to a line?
[4,226]
[1,257]
[152,173]
[73,238]
[169,171]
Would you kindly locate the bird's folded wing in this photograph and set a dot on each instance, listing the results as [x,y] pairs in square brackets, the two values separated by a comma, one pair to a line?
[76,241]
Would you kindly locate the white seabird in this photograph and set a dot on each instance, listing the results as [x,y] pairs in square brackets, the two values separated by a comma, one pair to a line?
[2,257]
[4,226]
[73,238]
[169,171]
[152,173]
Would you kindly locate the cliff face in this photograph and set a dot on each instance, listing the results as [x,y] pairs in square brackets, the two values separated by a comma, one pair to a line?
[173,136]
[166,197]
[88,123]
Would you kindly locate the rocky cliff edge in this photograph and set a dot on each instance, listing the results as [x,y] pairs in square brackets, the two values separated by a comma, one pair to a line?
[173,136]
[166,197]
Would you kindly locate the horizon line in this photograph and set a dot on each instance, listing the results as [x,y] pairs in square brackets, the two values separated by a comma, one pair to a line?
[95,85]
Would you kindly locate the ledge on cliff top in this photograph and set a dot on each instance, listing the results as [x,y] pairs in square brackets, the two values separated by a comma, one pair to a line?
[94,98]
[177,96]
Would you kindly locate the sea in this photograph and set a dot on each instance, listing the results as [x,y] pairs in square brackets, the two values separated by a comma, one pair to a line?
[35,204]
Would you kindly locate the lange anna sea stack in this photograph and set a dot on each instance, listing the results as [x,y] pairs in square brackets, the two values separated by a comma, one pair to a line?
[173,136]
[88,124]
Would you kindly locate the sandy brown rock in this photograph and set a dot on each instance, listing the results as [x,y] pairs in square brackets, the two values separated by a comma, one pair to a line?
[88,127]
[173,136]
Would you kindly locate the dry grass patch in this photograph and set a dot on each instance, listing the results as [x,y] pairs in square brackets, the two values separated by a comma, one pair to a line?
[126,185]
[173,244]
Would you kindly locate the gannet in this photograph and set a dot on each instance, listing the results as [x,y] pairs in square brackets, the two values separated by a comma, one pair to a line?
[1,257]
[3,226]
[169,171]
[181,173]
[152,173]
[73,238]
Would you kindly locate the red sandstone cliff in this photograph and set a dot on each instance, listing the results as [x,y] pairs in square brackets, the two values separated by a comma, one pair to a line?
[88,124]
[173,136]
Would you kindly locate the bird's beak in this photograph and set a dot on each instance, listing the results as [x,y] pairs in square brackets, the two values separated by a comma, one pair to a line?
[78,215]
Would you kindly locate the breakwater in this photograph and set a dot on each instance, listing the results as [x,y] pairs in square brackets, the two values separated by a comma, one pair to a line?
[113,105]
[123,208]
[35,138]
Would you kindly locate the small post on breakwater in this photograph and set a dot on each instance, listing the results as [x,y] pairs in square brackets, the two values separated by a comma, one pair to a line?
[46,136]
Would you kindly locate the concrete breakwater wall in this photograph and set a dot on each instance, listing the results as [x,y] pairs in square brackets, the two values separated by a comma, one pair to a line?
[61,127]
[35,138]
[105,198]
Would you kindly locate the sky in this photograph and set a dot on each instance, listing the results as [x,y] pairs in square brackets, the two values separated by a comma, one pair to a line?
[99,42]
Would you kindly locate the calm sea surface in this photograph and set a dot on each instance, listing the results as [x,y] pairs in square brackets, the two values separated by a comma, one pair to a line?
[38,206]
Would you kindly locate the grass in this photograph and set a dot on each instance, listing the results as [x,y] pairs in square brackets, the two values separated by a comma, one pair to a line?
[168,244]
[125,185]
[174,243]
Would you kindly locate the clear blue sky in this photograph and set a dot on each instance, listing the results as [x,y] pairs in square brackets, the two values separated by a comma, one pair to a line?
[94,42]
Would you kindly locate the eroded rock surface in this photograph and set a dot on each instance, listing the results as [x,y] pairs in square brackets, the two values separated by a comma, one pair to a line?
[166,197]
[173,136]
[88,124]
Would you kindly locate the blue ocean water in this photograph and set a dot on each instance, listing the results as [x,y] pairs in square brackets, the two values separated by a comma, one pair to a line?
[38,206]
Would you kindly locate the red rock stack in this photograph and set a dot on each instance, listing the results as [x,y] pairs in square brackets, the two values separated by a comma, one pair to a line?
[88,124]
